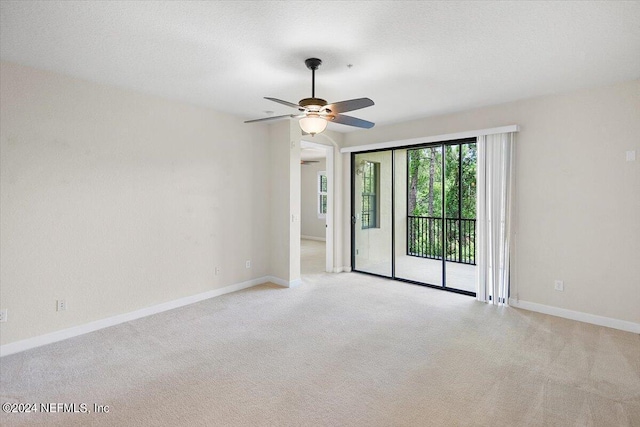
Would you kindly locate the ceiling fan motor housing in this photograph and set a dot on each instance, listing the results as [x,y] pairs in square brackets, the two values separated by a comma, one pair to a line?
[312,103]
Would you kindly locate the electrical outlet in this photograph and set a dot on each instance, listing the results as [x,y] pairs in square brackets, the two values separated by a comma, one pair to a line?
[217,270]
[62,305]
[248,264]
[3,315]
[559,285]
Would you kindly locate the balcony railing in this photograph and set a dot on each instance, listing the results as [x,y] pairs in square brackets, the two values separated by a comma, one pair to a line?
[425,235]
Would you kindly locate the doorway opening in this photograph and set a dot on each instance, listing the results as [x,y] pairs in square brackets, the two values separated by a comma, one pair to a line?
[414,214]
[316,210]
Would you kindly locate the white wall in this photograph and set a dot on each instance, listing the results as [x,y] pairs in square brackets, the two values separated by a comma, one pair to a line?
[577,199]
[116,201]
[310,224]
[284,201]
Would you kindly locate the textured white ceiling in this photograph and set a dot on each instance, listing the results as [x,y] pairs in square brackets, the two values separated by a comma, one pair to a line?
[414,59]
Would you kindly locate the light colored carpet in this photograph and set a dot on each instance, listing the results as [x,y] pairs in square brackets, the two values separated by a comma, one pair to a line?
[313,259]
[340,350]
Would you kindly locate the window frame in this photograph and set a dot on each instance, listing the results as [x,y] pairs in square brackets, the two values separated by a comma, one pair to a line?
[322,194]
[372,197]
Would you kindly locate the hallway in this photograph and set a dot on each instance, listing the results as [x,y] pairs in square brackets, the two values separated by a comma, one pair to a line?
[312,256]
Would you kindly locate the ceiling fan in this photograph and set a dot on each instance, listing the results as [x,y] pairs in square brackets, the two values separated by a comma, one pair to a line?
[315,113]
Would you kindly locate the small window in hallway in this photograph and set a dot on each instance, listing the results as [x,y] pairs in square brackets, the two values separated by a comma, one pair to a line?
[322,194]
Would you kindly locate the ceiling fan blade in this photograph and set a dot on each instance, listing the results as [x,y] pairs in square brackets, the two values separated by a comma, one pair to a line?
[350,105]
[352,121]
[271,118]
[280,101]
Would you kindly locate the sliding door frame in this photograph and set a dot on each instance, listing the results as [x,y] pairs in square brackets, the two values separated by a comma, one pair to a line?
[353,213]
[442,144]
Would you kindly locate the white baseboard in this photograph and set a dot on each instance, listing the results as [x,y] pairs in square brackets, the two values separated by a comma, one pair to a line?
[342,269]
[319,239]
[281,282]
[294,283]
[609,322]
[29,343]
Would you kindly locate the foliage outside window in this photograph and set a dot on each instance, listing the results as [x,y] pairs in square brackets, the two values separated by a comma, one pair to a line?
[442,226]
[322,194]
[426,179]
[370,185]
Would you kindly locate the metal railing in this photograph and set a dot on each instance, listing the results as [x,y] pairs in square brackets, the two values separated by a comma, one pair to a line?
[425,235]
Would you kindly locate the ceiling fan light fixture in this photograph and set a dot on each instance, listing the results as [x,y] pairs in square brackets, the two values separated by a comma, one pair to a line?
[316,112]
[313,124]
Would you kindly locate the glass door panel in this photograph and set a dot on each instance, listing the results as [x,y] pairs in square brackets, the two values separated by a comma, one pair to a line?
[460,194]
[419,222]
[372,212]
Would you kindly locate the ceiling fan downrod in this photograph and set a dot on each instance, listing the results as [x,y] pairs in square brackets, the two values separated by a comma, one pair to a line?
[313,104]
[313,64]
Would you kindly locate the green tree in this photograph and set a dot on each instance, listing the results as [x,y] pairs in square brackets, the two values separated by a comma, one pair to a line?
[426,178]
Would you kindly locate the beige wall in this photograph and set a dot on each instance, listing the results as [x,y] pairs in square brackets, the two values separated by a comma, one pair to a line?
[577,199]
[279,199]
[284,200]
[295,135]
[310,224]
[117,201]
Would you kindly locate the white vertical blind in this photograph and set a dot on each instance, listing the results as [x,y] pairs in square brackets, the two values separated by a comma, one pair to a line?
[495,187]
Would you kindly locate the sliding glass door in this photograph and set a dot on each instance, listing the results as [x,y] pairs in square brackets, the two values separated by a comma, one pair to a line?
[428,194]
[419,226]
[372,211]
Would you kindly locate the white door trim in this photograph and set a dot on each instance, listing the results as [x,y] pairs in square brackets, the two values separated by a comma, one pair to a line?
[330,151]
